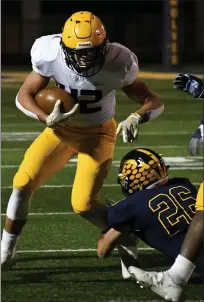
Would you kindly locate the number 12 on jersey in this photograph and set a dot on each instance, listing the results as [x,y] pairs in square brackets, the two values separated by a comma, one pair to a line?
[87,100]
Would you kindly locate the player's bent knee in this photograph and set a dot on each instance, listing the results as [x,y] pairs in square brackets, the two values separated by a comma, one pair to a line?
[22,182]
[82,205]
[80,209]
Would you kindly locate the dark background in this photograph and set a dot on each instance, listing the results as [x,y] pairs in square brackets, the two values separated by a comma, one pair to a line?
[138,24]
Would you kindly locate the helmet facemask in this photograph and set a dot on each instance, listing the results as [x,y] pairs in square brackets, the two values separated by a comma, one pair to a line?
[85,61]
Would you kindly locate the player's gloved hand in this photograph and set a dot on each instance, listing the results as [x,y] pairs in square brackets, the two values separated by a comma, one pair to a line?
[56,116]
[197,140]
[129,127]
[190,84]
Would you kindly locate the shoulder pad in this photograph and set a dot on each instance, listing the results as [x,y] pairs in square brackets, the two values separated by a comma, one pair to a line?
[45,48]
[120,56]
[123,63]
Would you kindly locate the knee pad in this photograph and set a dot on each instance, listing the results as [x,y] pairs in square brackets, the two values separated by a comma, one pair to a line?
[81,205]
[18,205]
[21,180]
[84,204]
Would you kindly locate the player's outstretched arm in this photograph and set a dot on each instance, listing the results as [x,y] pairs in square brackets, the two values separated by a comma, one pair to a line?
[109,239]
[25,99]
[190,84]
[151,108]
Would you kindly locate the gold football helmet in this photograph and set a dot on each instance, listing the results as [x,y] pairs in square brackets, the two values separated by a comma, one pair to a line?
[141,169]
[84,43]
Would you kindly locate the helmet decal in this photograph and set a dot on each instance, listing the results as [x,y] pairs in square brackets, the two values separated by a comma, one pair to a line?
[139,169]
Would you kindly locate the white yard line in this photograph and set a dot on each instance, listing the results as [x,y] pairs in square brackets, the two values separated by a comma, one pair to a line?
[81,250]
[48,214]
[188,112]
[70,186]
[116,147]
[27,136]
[176,162]
[187,167]
[13,149]
[60,186]
[9,125]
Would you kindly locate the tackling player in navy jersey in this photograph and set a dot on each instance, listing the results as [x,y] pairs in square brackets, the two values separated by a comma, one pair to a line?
[170,283]
[156,209]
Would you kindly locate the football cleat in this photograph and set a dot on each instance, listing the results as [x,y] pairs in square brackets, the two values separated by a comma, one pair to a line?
[196,140]
[160,283]
[125,274]
[129,256]
[8,258]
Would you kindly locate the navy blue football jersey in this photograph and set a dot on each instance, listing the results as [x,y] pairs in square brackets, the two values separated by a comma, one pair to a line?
[159,216]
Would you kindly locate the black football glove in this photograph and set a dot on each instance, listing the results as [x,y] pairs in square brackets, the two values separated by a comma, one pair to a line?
[190,84]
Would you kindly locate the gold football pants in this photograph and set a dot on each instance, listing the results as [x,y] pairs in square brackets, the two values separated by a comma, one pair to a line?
[200,198]
[52,149]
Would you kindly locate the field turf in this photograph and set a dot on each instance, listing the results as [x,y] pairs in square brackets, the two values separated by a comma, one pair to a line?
[57,260]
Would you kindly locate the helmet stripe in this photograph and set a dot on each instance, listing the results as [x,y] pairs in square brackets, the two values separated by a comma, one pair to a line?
[155,158]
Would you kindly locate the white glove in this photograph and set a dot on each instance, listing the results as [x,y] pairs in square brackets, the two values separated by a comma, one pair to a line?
[56,116]
[129,127]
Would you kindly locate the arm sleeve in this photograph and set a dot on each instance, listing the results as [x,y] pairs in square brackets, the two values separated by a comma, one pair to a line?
[25,111]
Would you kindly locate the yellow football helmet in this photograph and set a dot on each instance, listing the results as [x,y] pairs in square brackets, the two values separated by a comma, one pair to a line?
[84,43]
[141,169]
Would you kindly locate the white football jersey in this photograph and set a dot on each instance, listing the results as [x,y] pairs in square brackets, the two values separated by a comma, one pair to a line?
[96,94]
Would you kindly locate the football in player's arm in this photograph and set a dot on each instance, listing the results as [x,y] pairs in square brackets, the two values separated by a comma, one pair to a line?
[149,212]
[135,89]
[91,69]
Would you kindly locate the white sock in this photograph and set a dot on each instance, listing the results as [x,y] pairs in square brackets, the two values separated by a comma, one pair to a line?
[8,240]
[181,270]
[18,205]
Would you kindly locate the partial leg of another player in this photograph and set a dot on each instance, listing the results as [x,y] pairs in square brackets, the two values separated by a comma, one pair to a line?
[94,163]
[45,156]
[95,152]
[170,284]
[89,179]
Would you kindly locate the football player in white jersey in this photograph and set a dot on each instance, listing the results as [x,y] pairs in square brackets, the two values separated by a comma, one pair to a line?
[83,62]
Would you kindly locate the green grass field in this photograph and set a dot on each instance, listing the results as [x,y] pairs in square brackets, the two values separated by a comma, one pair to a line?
[57,260]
